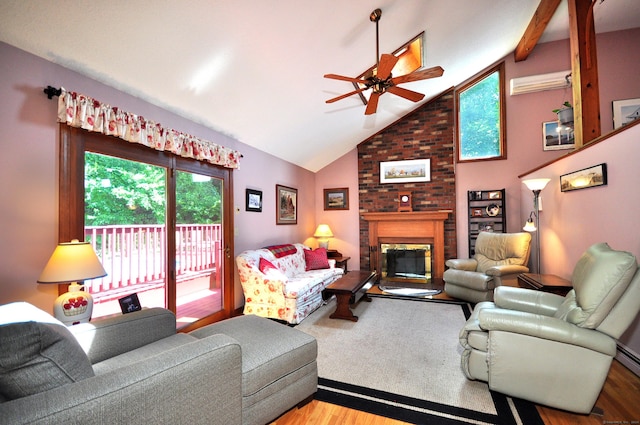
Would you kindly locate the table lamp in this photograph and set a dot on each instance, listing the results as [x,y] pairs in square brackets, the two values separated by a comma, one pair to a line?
[72,262]
[323,233]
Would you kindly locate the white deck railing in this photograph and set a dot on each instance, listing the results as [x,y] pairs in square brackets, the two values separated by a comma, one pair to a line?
[136,254]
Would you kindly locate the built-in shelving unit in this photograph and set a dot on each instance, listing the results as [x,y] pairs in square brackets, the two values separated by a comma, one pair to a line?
[487,213]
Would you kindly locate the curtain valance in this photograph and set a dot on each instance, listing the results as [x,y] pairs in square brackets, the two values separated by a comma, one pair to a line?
[79,110]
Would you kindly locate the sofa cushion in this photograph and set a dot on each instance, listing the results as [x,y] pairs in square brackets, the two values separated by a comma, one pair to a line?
[37,352]
[316,259]
[266,265]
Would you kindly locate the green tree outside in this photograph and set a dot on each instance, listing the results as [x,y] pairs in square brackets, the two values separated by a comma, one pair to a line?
[119,191]
[479,119]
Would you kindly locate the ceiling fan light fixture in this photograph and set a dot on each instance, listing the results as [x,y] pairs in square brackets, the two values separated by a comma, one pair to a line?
[379,77]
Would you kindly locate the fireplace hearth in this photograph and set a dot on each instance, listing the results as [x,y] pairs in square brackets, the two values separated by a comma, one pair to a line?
[415,231]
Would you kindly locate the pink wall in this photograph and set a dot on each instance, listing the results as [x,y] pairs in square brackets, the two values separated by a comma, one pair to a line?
[29,174]
[618,62]
[572,221]
[344,223]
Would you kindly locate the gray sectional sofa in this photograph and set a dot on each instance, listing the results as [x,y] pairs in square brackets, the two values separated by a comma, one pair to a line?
[135,368]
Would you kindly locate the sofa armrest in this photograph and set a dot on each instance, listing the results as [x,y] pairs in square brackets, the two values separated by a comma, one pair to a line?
[468,264]
[544,327]
[105,338]
[199,382]
[529,300]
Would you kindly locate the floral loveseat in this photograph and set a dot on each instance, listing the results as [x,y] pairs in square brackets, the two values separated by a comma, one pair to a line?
[285,282]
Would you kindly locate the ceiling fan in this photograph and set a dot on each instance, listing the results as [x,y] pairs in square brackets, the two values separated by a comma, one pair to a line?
[381,81]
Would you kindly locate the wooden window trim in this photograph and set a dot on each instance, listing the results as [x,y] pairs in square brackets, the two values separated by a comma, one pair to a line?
[500,68]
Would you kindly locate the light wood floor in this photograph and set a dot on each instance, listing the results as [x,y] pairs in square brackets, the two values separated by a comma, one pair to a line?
[619,401]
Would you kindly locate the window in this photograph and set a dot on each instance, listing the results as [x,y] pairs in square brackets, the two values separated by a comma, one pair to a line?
[158,222]
[481,117]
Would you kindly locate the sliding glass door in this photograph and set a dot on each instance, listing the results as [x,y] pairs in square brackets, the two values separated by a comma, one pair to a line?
[157,222]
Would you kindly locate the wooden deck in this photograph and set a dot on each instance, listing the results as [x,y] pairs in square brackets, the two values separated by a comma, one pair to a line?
[196,299]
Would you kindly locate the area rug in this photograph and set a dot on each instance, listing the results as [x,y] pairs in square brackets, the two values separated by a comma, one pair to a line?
[402,360]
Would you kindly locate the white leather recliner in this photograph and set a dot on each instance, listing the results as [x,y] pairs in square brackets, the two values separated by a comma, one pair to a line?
[499,258]
[555,350]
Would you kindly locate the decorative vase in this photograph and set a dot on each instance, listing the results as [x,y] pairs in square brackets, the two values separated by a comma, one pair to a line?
[74,306]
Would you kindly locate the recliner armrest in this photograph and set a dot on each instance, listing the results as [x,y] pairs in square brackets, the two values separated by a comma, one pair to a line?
[550,328]
[529,300]
[104,338]
[506,269]
[468,264]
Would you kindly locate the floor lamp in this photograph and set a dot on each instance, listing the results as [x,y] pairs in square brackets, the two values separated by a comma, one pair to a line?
[536,186]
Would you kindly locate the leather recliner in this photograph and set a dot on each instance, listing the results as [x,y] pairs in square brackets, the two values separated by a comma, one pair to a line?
[555,350]
[499,258]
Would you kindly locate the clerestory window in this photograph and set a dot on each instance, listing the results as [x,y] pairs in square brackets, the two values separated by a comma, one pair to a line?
[481,117]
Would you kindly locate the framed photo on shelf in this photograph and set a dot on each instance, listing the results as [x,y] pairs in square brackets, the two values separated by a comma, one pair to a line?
[336,199]
[130,303]
[625,112]
[556,136]
[477,212]
[495,195]
[409,171]
[254,200]
[286,205]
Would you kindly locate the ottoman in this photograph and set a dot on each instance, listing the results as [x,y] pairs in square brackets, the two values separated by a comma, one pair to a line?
[279,368]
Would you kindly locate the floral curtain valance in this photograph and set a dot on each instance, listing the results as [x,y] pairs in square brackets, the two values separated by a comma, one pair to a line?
[78,110]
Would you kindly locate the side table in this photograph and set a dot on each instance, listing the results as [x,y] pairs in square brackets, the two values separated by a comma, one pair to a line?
[545,282]
[342,262]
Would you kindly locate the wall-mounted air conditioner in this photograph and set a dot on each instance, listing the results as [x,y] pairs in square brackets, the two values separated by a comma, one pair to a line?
[534,83]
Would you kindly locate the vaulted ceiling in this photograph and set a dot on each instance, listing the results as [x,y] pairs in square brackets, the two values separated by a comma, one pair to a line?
[254,69]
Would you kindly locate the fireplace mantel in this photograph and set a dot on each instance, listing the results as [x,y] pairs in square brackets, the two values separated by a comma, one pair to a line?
[407,227]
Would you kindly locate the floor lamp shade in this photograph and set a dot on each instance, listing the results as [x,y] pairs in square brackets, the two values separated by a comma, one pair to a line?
[72,262]
[536,186]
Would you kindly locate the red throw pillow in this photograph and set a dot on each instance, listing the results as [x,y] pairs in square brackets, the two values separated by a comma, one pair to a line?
[266,265]
[316,259]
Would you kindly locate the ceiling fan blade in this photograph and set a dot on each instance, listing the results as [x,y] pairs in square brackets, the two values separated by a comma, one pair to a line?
[351,93]
[407,94]
[387,62]
[434,72]
[343,78]
[372,105]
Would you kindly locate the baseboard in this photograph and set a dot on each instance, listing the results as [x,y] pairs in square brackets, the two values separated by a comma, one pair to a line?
[629,358]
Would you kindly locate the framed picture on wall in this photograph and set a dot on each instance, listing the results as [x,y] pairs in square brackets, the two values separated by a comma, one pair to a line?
[286,205]
[625,112]
[556,136]
[253,200]
[336,199]
[409,171]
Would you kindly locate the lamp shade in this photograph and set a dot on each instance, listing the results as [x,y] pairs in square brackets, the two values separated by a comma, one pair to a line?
[536,184]
[71,262]
[323,231]
[529,226]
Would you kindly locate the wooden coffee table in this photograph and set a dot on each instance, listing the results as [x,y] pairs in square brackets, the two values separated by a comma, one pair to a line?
[349,289]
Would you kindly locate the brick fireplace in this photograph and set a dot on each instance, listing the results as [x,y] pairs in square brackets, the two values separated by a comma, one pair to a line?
[427,132]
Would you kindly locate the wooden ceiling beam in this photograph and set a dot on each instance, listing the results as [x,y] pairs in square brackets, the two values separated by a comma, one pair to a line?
[584,70]
[532,34]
